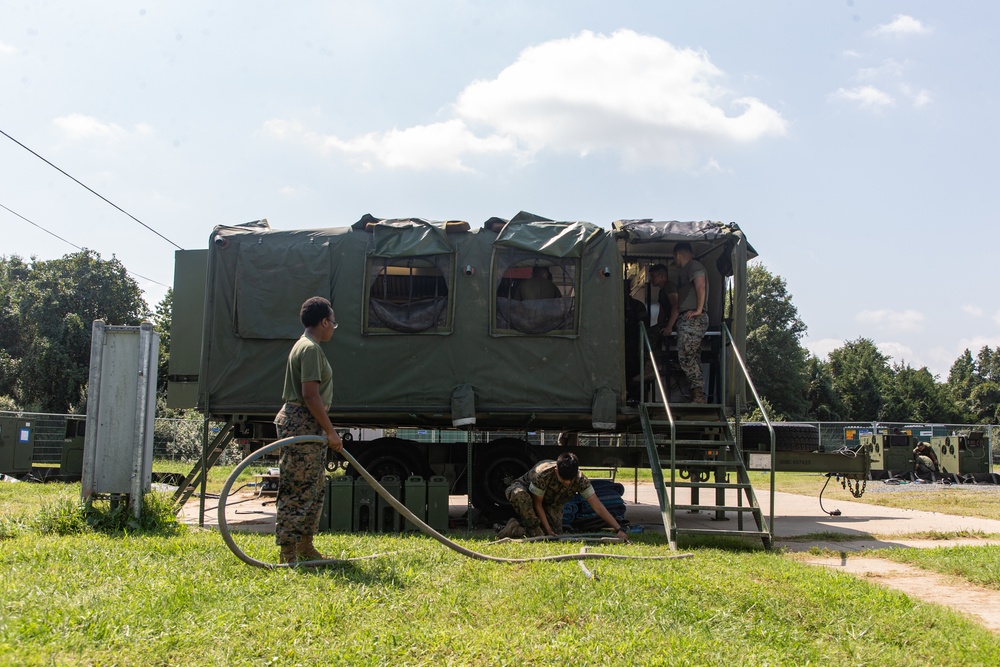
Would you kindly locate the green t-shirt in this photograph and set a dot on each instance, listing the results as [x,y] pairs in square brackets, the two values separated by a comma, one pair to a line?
[307,363]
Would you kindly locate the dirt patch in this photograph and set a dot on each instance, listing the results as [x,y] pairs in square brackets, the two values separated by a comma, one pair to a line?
[953,592]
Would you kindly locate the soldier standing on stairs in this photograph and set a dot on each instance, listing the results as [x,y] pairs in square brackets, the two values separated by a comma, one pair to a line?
[692,321]
[308,393]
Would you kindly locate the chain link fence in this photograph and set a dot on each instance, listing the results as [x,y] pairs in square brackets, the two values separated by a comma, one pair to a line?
[181,439]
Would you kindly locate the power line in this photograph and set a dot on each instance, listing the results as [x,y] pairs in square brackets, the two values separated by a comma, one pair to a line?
[91,190]
[73,244]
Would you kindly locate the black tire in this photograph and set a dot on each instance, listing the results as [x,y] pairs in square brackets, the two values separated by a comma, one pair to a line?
[788,436]
[390,456]
[495,466]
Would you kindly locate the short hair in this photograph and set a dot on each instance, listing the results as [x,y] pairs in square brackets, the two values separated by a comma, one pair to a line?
[683,246]
[541,272]
[658,268]
[567,465]
[314,310]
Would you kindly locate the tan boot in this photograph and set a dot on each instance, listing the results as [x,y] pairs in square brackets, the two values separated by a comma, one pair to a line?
[305,550]
[287,554]
[513,529]
[698,395]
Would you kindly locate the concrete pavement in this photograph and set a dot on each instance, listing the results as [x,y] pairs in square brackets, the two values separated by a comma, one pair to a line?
[794,515]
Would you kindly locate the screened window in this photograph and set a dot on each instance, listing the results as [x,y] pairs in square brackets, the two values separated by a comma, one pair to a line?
[535,294]
[408,294]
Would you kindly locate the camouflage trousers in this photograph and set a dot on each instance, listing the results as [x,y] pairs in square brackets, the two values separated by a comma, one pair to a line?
[521,500]
[303,476]
[690,333]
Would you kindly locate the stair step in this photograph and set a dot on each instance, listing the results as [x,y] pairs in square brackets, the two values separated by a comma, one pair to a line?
[719,508]
[712,531]
[681,423]
[697,462]
[710,485]
[693,441]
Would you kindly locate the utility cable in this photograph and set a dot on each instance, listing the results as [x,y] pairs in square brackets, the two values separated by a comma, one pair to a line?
[396,504]
[9,210]
[92,191]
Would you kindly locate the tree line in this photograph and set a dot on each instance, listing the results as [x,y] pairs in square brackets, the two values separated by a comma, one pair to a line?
[47,309]
[856,382]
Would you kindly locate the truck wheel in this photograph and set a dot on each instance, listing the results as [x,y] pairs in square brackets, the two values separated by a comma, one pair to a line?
[390,456]
[495,466]
[788,436]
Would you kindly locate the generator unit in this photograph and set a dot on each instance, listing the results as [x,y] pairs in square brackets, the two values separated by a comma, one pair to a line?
[890,451]
[17,445]
[963,453]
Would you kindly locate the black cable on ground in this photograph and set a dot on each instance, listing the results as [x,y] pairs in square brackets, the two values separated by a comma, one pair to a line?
[396,504]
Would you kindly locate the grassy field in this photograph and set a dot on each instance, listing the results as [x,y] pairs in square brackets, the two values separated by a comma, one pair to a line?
[980,565]
[179,597]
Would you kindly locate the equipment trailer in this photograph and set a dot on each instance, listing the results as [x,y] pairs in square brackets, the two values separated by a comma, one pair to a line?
[433,336]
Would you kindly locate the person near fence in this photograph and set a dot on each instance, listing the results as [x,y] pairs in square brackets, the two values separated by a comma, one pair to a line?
[308,393]
[538,497]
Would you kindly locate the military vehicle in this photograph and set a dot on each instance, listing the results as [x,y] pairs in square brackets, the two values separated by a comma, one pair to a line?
[440,329]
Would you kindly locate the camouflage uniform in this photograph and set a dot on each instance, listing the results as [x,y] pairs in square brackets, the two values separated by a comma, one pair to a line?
[543,481]
[303,476]
[690,333]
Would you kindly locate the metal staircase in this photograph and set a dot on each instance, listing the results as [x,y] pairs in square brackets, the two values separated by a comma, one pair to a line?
[697,445]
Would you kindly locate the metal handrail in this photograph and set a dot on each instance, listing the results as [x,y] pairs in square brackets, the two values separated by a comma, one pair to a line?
[647,432]
[763,412]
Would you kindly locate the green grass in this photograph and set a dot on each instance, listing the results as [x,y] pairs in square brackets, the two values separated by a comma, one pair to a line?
[181,598]
[978,564]
[96,599]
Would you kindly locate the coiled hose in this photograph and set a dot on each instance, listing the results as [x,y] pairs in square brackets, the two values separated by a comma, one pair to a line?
[396,504]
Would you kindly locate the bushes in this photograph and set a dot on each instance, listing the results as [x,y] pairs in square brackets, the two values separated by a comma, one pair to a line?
[69,516]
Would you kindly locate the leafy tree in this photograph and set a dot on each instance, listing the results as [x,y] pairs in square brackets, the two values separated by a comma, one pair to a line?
[914,395]
[974,385]
[824,402]
[47,322]
[860,373]
[162,320]
[775,355]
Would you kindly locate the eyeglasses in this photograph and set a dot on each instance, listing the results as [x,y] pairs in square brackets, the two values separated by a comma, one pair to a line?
[333,322]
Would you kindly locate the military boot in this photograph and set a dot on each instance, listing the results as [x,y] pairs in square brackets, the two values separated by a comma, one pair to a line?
[305,550]
[513,529]
[698,395]
[287,554]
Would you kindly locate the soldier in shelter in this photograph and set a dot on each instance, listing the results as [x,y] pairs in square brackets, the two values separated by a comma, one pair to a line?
[692,319]
[538,498]
[308,393]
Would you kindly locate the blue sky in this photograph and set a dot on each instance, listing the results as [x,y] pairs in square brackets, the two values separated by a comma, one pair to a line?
[853,141]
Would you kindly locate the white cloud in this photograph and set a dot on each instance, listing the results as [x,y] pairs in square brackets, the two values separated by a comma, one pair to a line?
[919,98]
[977,343]
[78,127]
[890,68]
[892,320]
[972,309]
[7,48]
[901,25]
[625,92]
[896,351]
[436,146]
[628,94]
[867,97]
[823,347]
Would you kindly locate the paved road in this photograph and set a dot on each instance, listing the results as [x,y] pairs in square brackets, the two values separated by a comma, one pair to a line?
[793,515]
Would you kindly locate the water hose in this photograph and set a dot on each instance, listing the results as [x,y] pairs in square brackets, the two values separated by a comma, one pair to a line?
[396,504]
